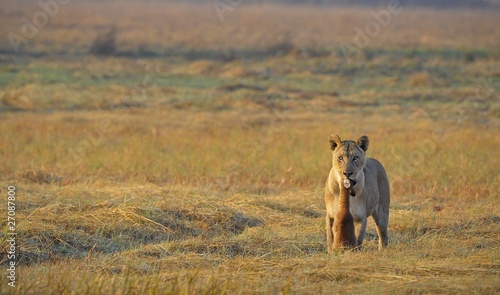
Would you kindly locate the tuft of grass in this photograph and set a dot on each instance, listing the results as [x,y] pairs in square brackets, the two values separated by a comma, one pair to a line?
[420,79]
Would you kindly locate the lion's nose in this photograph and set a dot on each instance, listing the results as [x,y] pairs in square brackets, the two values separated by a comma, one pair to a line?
[347,174]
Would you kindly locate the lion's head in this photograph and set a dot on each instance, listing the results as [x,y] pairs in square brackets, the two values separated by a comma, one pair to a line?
[348,157]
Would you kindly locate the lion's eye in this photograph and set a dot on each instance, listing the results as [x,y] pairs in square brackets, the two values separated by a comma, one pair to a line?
[355,158]
[341,158]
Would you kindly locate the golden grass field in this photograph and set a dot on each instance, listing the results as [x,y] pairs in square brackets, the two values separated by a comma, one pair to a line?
[193,159]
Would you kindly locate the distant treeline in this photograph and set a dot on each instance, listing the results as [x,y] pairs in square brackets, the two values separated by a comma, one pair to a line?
[429,3]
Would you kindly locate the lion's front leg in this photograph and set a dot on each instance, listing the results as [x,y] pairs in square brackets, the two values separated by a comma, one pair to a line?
[360,228]
[329,233]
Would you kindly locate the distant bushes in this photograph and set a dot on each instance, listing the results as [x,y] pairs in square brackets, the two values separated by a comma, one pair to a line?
[105,43]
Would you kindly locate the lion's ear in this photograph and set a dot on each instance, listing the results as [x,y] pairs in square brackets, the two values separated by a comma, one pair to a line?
[334,141]
[363,142]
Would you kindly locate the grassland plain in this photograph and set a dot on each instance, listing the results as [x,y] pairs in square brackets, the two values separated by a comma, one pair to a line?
[190,162]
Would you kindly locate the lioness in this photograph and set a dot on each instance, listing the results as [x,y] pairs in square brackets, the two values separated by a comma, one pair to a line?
[370,193]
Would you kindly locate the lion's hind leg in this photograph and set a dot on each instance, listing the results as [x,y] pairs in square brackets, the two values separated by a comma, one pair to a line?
[381,222]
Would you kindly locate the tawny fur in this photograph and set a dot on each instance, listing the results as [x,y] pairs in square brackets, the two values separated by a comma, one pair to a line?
[343,224]
[371,189]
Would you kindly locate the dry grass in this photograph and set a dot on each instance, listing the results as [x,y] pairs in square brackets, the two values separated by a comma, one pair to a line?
[199,167]
[178,206]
